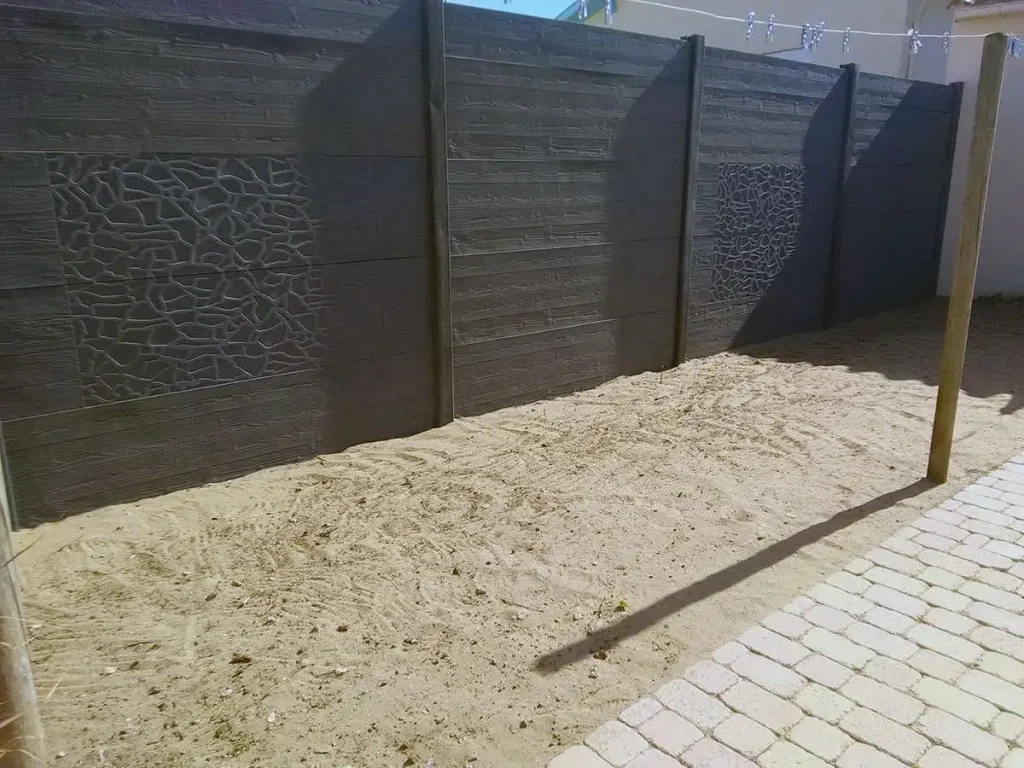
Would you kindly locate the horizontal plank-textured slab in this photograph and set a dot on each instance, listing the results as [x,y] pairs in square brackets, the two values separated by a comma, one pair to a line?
[387,22]
[891,227]
[475,33]
[881,136]
[549,91]
[744,74]
[38,355]
[72,461]
[510,294]
[539,226]
[520,369]
[780,136]
[474,181]
[302,96]
[29,250]
[883,90]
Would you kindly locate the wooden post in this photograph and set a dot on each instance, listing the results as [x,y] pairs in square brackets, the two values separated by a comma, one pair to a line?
[21,730]
[838,218]
[689,196]
[438,162]
[958,319]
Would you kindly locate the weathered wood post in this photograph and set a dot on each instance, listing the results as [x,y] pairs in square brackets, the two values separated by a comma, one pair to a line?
[21,730]
[958,319]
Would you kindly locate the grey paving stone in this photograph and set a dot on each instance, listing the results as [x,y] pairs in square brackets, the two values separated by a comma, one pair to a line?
[824,671]
[616,743]
[708,753]
[711,677]
[670,732]
[823,703]
[886,701]
[829,618]
[838,648]
[773,645]
[896,601]
[653,758]
[940,757]
[579,757]
[942,642]
[865,756]
[768,674]
[640,711]
[762,706]
[1003,694]
[890,621]
[893,673]
[880,641]
[949,698]
[881,732]
[997,640]
[745,736]
[820,738]
[962,737]
[786,624]
[1003,667]
[993,596]
[784,754]
[929,662]
[1008,726]
[686,699]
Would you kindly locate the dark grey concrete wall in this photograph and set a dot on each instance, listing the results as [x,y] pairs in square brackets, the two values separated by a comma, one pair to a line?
[222,232]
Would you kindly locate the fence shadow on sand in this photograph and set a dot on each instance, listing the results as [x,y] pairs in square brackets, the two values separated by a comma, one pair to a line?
[906,344]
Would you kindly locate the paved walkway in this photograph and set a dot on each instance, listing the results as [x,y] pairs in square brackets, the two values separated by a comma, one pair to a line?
[911,656]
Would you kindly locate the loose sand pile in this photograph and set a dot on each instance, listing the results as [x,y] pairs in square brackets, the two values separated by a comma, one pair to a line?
[392,603]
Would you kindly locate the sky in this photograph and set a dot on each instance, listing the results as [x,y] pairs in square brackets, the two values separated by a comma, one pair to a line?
[546,8]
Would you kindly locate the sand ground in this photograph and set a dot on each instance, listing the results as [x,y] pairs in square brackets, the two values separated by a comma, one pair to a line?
[432,597]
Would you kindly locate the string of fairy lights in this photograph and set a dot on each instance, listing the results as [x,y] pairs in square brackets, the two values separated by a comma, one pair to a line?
[812,34]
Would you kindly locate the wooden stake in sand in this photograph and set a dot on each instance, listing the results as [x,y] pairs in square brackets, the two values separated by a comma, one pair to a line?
[958,319]
[21,730]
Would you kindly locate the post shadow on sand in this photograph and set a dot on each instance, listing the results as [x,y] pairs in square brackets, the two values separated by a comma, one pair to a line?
[728,577]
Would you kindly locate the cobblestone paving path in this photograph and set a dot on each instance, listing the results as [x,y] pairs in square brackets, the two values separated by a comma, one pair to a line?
[911,656]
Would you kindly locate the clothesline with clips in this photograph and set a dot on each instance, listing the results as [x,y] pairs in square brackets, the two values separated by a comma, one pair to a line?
[811,34]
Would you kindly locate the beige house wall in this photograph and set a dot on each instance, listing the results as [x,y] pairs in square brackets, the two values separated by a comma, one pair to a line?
[881,55]
[1001,263]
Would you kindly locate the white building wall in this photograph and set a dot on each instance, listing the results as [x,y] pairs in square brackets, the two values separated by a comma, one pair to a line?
[930,17]
[1001,261]
[880,55]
